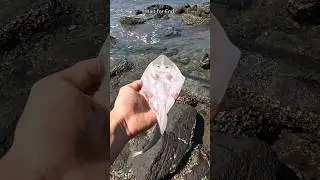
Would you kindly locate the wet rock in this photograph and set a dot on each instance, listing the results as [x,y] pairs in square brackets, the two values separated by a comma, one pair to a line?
[181,9]
[137,12]
[161,7]
[237,157]
[113,40]
[132,20]
[171,51]
[190,19]
[205,61]
[172,32]
[164,158]
[161,16]
[122,65]
[305,11]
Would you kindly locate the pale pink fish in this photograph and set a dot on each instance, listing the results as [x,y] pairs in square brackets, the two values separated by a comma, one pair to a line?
[162,82]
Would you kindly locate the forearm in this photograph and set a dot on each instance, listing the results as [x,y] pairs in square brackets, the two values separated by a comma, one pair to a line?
[13,168]
[118,136]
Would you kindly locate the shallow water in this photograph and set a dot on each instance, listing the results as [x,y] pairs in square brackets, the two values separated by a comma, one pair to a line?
[144,42]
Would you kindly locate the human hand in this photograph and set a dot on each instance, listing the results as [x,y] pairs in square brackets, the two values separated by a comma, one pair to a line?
[62,128]
[132,109]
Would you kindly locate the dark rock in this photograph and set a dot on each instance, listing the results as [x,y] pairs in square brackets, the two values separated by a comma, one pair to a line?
[198,90]
[137,12]
[205,61]
[185,99]
[197,167]
[122,66]
[182,9]
[132,20]
[164,158]
[161,7]
[239,4]
[301,152]
[166,16]
[251,122]
[161,16]
[244,158]
[248,114]
[35,20]
[305,11]
[171,52]
[113,40]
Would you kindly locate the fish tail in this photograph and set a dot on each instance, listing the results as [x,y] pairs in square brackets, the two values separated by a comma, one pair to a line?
[163,117]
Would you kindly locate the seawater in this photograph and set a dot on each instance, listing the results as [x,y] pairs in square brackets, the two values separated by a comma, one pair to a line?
[144,42]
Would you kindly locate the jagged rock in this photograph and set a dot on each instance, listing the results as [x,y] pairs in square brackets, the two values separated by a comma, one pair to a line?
[305,11]
[190,19]
[161,7]
[122,65]
[205,61]
[245,158]
[132,20]
[164,158]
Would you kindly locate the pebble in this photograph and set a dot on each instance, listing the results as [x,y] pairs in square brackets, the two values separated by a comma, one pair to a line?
[72,27]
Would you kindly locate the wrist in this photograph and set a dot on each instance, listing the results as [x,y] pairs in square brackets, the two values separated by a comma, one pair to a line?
[118,122]
[118,135]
